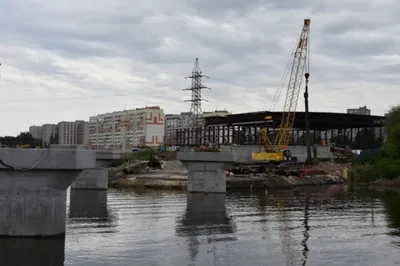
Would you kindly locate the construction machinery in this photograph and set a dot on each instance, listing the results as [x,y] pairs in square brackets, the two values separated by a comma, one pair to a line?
[275,148]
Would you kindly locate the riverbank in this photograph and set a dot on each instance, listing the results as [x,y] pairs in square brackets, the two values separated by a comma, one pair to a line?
[173,175]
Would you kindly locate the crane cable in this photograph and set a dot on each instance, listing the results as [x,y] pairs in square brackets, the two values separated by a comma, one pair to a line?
[282,84]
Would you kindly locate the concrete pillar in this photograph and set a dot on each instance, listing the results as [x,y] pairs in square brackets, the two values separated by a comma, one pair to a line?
[30,251]
[206,170]
[33,201]
[95,178]
[204,213]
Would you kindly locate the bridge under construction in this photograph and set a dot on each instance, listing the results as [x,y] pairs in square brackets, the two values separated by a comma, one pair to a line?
[352,130]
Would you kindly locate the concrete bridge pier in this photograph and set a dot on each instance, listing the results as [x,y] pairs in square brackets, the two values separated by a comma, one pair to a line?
[30,251]
[206,170]
[95,178]
[33,186]
[92,179]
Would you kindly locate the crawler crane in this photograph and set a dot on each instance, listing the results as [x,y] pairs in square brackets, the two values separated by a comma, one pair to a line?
[276,150]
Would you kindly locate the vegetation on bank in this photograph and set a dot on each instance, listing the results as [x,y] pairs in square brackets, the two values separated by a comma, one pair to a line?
[24,138]
[146,154]
[381,163]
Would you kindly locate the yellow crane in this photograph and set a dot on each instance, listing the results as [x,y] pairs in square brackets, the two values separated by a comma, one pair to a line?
[277,149]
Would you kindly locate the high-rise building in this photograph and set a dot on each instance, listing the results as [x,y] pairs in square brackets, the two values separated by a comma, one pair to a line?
[63,133]
[127,129]
[36,132]
[73,132]
[49,131]
[359,111]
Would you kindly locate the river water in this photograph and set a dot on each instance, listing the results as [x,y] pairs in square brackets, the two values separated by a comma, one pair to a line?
[307,226]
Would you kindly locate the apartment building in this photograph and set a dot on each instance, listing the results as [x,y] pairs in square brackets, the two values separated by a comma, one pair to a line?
[128,128]
[175,122]
[73,132]
[63,133]
[359,111]
[36,132]
[49,131]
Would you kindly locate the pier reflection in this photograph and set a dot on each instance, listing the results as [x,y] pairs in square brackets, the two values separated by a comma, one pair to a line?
[206,216]
[88,204]
[32,252]
[90,207]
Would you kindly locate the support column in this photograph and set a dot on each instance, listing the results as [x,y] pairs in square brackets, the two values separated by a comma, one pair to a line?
[95,178]
[206,170]
[33,201]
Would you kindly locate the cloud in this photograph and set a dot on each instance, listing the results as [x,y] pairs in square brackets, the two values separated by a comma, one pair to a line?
[67,60]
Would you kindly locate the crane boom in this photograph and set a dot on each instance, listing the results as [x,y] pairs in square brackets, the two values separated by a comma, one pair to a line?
[276,150]
[293,90]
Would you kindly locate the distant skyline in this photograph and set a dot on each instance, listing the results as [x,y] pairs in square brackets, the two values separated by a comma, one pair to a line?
[69,60]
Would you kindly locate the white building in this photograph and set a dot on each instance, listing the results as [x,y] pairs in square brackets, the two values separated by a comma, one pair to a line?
[359,111]
[36,132]
[63,133]
[48,131]
[175,122]
[73,132]
[127,129]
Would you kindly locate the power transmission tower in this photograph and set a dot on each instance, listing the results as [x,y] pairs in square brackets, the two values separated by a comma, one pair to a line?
[195,122]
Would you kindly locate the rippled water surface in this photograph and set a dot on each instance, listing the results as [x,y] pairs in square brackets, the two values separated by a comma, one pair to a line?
[307,226]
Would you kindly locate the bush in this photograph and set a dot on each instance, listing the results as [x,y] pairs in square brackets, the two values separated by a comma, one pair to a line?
[385,168]
[147,154]
[379,164]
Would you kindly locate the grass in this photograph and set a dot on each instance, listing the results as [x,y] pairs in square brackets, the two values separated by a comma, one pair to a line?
[148,154]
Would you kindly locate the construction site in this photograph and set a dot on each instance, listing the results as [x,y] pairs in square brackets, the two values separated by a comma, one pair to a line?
[277,145]
[271,136]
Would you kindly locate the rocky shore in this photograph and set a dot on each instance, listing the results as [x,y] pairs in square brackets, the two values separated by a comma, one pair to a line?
[172,175]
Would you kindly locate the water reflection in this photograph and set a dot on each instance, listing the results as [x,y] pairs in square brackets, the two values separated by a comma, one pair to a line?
[205,215]
[32,252]
[88,208]
[88,204]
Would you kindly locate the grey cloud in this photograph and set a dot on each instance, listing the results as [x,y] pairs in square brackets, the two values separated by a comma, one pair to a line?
[242,45]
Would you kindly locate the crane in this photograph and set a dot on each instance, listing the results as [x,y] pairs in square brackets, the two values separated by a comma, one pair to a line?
[276,150]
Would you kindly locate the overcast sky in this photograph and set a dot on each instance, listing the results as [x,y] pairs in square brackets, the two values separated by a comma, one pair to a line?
[70,59]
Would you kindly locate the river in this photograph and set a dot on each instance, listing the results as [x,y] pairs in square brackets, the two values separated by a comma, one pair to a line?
[333,225]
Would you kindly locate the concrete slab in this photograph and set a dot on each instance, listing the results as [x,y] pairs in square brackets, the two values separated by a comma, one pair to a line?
[33,190]
[66,159]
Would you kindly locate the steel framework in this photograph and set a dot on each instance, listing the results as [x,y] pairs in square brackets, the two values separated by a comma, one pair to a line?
[195,122]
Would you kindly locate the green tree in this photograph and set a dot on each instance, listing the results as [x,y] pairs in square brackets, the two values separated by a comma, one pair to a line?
[391,149]
[392,117]
[21,139]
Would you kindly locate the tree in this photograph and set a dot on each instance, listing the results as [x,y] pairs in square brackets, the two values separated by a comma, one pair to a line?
[22,139]
[392,117]
[392,146]
[53,140]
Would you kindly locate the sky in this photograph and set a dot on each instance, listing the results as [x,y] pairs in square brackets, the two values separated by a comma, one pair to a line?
[63,60]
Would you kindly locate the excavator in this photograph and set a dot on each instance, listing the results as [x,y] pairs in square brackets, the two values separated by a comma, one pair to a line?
[276,149]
